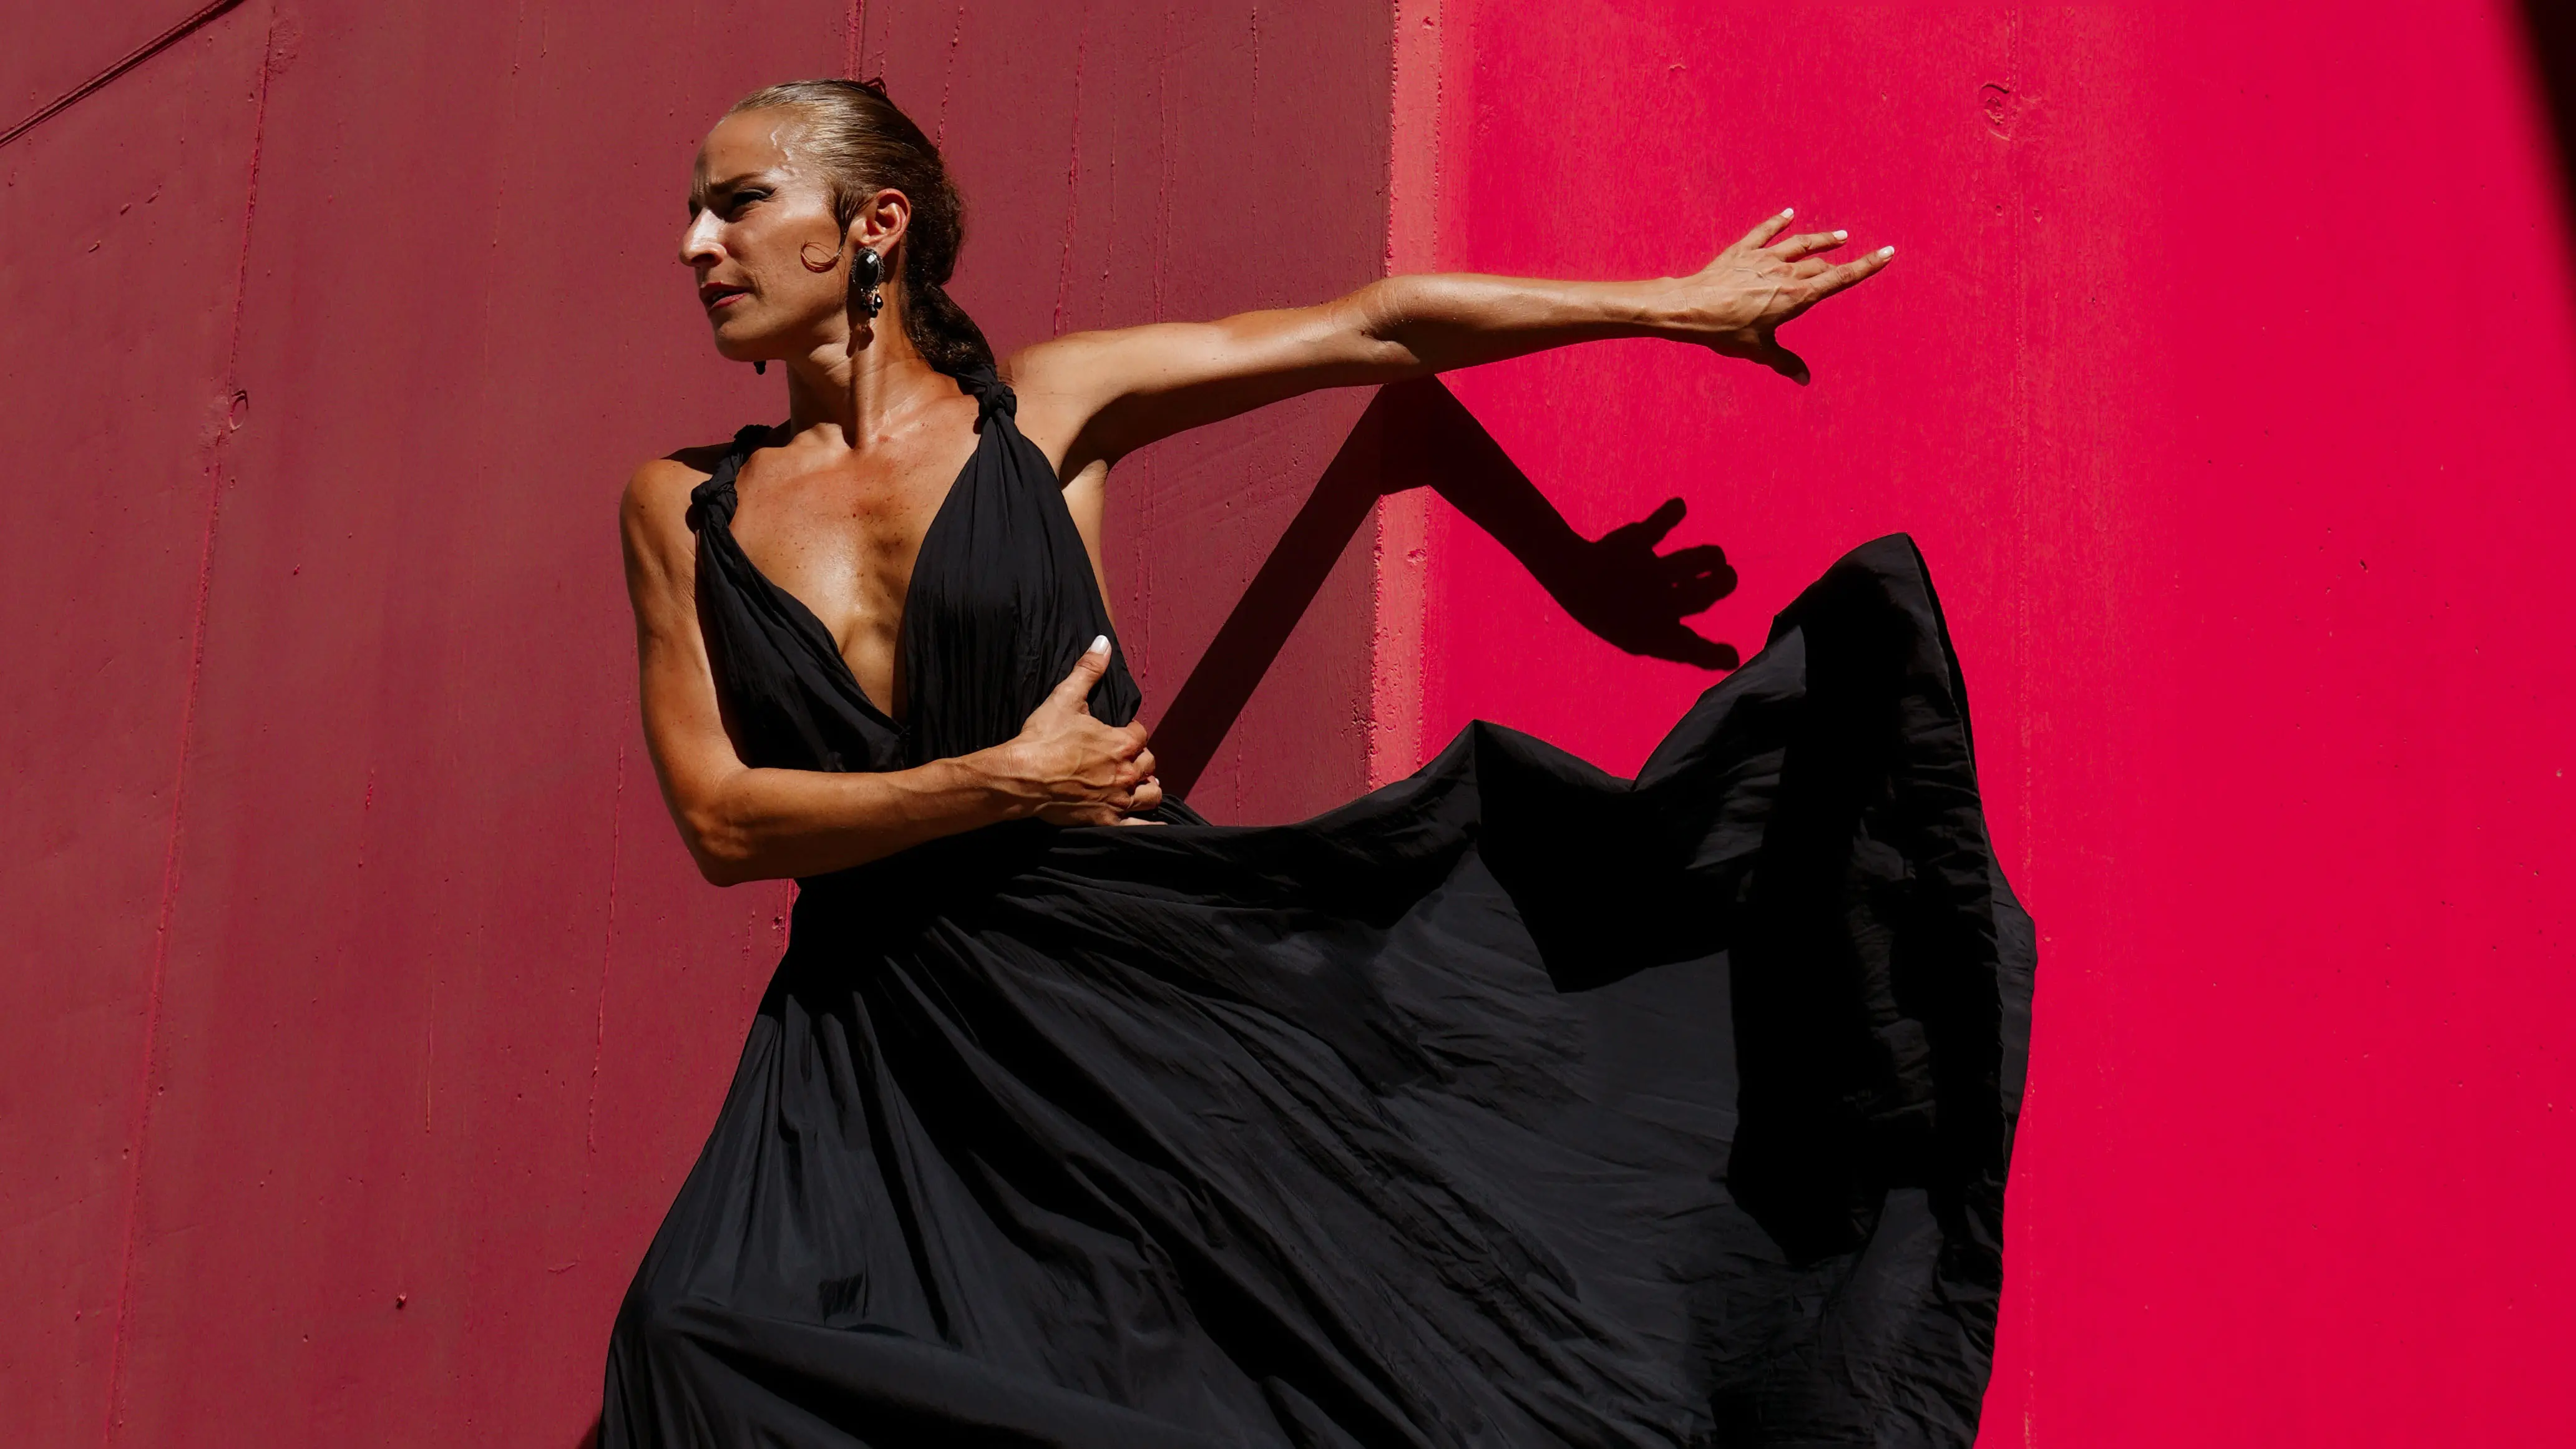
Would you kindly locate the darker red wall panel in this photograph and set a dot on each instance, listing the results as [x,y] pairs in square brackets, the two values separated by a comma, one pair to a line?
[2224,375]
[415,796]
[443,1010]
[123,230]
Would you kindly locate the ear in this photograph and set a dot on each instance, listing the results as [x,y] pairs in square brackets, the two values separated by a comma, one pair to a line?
[881,222]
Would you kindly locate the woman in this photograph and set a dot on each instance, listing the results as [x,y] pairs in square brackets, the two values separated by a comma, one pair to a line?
[1422,1122]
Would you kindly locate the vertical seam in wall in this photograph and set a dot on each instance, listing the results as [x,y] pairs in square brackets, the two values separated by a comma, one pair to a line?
[2025,408]
[1252,128]
[139,1125]
[1163,151]
[1149,488]
[948,74]
[854,40]
[1072,174]
[599,1031]
[1397,636]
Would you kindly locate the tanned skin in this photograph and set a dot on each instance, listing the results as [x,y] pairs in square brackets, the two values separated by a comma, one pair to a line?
[834,511]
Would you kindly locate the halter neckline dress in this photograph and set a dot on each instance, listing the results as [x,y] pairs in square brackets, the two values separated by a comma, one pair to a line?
[1510,1104]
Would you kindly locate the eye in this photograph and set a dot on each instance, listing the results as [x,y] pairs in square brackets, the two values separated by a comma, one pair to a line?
[732,205]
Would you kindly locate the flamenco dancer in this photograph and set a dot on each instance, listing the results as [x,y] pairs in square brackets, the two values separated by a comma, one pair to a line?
[1510,1104]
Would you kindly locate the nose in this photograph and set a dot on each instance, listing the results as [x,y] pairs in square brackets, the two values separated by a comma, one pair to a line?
[698,244]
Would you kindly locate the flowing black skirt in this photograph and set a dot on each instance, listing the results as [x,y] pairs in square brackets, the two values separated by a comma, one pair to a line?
[1511,1104]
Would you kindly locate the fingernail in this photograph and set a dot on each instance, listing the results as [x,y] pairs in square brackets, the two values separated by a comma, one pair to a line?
[1887,251]
[1788,211]
[1098,643]
[1842,236]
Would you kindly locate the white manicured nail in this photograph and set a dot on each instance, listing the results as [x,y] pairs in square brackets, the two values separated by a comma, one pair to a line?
[1788,211]
[1842,236]
[1887,251]
[1098,643]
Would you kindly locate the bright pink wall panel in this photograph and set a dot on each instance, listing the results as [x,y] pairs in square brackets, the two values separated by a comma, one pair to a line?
[2227,376]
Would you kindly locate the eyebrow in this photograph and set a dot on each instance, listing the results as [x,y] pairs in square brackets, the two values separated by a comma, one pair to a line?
[702,192]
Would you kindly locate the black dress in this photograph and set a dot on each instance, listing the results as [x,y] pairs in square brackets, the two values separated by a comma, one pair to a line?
[1511,1104]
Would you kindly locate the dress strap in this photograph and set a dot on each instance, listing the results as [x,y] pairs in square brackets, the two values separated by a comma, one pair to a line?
[991,394]
[714,498]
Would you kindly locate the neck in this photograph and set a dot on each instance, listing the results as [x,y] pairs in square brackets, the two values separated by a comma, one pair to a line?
[863,392]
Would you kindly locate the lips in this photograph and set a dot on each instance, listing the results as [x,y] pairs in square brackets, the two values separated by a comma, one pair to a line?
[715,296]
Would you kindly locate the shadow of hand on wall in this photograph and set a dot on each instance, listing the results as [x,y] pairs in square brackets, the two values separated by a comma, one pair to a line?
[1416,435]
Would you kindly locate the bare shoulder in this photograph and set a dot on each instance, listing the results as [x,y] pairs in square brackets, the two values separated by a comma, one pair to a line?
[1056,382]
[661,487]
[1064,370]
[1057,361]
[1065,382]
[653,512]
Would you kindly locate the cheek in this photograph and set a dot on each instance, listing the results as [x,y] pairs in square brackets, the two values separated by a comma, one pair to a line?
[783,279]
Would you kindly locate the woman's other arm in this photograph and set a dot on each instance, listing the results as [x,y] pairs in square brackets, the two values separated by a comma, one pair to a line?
[1096,396]
[744,824]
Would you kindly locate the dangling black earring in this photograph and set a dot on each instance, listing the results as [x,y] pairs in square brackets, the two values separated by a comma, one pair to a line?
[761,367]
[867,275]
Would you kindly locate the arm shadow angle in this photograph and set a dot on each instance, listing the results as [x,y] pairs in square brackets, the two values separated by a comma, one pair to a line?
[1418,435]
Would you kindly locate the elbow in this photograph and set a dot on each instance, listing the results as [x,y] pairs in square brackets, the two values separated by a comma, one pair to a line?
[1385,319]
[720,871]
[1380,310]
[723,852]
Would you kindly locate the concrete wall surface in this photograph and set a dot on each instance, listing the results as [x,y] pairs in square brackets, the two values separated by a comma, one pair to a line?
[2226,377]
[360,1011]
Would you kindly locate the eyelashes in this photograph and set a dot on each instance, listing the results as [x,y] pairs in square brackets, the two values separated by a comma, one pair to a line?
[731,206]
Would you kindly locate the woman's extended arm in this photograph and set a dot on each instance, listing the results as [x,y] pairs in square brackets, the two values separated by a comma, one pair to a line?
[743,824]
[1097,396]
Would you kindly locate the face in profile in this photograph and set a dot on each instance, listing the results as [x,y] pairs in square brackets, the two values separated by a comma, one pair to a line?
[759,222]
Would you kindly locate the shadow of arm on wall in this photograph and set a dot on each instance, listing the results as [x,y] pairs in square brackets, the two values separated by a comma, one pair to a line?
[1414,435]
[2551,26]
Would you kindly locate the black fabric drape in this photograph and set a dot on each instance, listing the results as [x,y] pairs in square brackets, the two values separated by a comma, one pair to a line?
[1513,1103]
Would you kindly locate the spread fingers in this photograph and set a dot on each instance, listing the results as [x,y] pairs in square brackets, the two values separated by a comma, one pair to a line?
[1836,278]
[1768,227]
[1807,244]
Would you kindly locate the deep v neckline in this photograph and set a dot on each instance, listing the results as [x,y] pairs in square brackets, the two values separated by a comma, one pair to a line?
[811,623]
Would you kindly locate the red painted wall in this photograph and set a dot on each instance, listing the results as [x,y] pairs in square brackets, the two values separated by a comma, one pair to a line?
[360,1010]
[2225,376]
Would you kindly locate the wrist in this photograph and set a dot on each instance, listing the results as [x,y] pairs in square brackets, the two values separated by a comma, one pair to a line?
[1001,782]
[1666,307]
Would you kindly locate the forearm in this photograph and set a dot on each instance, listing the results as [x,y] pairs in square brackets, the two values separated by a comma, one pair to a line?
[1433,322]
[1095,397]
[761,824]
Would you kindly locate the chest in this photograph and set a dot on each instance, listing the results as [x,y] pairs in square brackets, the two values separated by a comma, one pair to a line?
[843,535]
[956,590]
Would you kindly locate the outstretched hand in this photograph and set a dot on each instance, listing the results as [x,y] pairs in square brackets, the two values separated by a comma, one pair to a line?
[1618,587]
[1071,768]
[1741,299]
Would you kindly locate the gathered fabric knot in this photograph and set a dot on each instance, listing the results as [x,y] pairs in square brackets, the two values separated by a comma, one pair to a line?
[711,500]
[992,395]
[714,498]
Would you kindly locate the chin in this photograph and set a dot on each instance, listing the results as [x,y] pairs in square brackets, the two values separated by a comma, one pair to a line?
[734,347]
